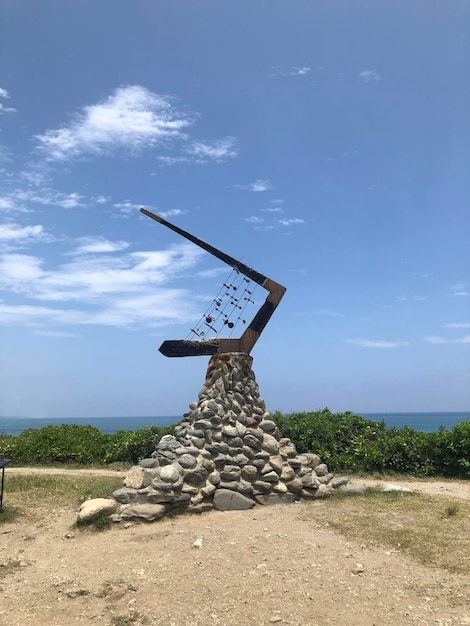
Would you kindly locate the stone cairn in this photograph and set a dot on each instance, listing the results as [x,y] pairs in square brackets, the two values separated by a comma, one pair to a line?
[225,454]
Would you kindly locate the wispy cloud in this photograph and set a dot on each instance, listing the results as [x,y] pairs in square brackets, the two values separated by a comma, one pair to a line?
[416,298]
[366,343]
[270,222]
[218,150]
[24,200]
[440,340]
[3,109]
[97,245]
[109,285]
[260,184]
[12,233]
[131,119]
[290,222]
[293,70]
[461,293]
[300,71]
[457,325]
[369,76]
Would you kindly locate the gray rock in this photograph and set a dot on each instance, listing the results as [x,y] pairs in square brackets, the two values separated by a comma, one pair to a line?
[260,486]
[352,489]
[321,470]
[270,445]
[268,426]
[148,463]
[227,500]
[196,477]
[280,498]
[125,495]
[142,512]
[294,485]
[324,491]
[171,473]
[187,461]
[337,482]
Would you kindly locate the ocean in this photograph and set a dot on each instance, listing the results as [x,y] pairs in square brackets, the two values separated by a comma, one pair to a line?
[425,422]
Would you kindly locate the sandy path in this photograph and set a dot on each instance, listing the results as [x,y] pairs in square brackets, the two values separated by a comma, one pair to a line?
[272,565]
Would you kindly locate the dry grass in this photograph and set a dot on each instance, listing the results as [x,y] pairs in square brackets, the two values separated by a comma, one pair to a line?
[436,531]
[22,491]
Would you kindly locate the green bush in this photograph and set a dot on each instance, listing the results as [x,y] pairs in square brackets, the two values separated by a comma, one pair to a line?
[70,443]
[130,446]
[348,442]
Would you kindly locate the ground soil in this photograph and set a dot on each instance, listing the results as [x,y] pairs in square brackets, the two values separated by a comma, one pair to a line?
[269,565]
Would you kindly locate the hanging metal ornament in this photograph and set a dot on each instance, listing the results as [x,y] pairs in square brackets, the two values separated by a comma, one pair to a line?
[215,345]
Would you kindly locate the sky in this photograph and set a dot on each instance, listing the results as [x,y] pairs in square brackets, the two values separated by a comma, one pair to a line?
[326,144]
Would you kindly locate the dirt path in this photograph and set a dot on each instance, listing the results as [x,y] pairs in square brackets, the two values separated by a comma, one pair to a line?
[272,565]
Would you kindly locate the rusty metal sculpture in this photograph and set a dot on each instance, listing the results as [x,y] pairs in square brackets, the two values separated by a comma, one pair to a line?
[245,343]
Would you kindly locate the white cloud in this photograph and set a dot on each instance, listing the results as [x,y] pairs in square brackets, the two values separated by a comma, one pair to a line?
[3,109]
[90,277]
[102,199]
[457,325]
[108,287]
[131,119]
[13,233]
[260,184]
[277,70]
[366,343]
[412,298]
[440,340]
[22,199]
[127,207]
[97,245]
[289,222]
[300,71]
[171,213]
[273,210]
[461,293]
[369,76]
[254,220]
[218,150]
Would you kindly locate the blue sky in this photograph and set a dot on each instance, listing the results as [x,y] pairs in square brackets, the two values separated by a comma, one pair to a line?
[326,144]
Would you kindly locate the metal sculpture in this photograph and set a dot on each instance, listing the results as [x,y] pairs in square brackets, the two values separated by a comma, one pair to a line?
[215,345]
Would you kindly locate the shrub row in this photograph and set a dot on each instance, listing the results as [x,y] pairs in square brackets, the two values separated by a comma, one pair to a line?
[348,442]
[70,443]
[344,441]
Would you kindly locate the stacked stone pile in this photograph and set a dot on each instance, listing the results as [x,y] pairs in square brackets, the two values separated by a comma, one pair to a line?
[226,453]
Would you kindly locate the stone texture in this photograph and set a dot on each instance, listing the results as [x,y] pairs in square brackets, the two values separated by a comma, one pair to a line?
[226,453]
[225,500]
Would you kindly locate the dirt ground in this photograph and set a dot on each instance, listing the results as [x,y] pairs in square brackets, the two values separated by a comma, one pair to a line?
[269,565]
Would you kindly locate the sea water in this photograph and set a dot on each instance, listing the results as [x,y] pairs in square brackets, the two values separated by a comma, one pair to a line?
[425,422]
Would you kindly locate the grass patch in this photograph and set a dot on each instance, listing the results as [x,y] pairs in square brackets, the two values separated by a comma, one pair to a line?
[409,522]
[60,490]
[9,514]
[9,567]
[125,620]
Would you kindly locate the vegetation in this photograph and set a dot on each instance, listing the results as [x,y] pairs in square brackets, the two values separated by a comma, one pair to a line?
[403,522]
[348,442]
[344,441]
[80,445]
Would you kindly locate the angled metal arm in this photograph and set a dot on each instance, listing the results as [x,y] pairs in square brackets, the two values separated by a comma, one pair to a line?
[186,347]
